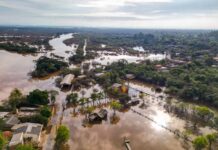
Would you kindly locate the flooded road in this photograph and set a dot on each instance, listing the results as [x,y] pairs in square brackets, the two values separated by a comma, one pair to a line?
[142,133]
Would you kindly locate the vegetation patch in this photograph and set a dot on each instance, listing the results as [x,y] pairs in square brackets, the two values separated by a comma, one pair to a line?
[46,66]
[18,48]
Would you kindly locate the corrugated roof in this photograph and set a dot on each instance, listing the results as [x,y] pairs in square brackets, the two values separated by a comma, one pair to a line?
[67,79]
[30,128]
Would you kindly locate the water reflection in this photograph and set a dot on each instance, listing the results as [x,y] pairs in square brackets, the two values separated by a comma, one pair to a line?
[109,134]
[160,120]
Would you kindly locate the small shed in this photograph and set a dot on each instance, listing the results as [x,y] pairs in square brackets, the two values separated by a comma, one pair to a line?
[67,81]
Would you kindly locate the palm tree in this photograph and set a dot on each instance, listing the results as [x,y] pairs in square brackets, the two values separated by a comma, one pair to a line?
[211,139]
[94,98]
[83,93]
[53,94]
[100,96]
[73,100]
[115,105]
[82,102]
[87,101]
[89,110]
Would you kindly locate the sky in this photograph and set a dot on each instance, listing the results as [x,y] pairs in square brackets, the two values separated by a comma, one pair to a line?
[164,14]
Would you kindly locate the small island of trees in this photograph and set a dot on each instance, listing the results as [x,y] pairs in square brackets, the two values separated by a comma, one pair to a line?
[46,66]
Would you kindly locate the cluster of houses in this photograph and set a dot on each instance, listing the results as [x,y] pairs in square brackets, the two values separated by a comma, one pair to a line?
[21,133]
[172,63]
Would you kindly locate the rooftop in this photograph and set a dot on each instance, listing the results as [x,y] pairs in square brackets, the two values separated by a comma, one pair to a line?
[29,128]
[67,79]
[16,139]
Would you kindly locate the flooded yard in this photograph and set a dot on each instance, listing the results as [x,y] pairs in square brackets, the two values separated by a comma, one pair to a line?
[145,132]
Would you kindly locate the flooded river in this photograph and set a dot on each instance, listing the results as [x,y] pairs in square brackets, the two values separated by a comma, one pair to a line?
[143,134]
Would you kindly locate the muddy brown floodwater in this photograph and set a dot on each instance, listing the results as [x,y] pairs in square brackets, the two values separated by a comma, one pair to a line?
[143,134]
[13,73]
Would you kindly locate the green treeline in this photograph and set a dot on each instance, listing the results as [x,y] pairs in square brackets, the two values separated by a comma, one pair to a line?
[193,81]
[21,48]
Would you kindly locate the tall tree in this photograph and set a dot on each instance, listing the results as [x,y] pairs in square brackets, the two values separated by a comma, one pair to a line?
[38,97]
[15,98]
[73,100]
[53,94]
[94,97]
[211,139]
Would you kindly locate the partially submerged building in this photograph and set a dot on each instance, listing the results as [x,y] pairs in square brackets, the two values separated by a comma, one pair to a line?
[120,88]
[98,117]
[67,81]
[25,132]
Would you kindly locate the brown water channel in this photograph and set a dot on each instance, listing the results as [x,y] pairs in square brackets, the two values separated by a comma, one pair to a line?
[143,134]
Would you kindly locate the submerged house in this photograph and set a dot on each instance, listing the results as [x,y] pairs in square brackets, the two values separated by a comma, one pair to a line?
[98,117]
[67,81]
[25,132]
[120,88]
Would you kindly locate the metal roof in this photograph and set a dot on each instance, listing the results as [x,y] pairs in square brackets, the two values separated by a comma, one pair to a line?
[67,79]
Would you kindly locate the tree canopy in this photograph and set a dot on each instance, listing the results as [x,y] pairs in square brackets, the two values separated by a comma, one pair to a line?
[63,135]
[38,97]
[200,142]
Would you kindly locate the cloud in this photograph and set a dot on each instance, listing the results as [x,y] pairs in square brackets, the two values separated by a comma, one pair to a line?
[111,13]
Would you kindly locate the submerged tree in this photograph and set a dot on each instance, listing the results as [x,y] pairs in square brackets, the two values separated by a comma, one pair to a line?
[211,139]
[63,135]
[94,97]
[90,109]
[115,105]
[200,142]
[72,99]
[100,96]
[53,94]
